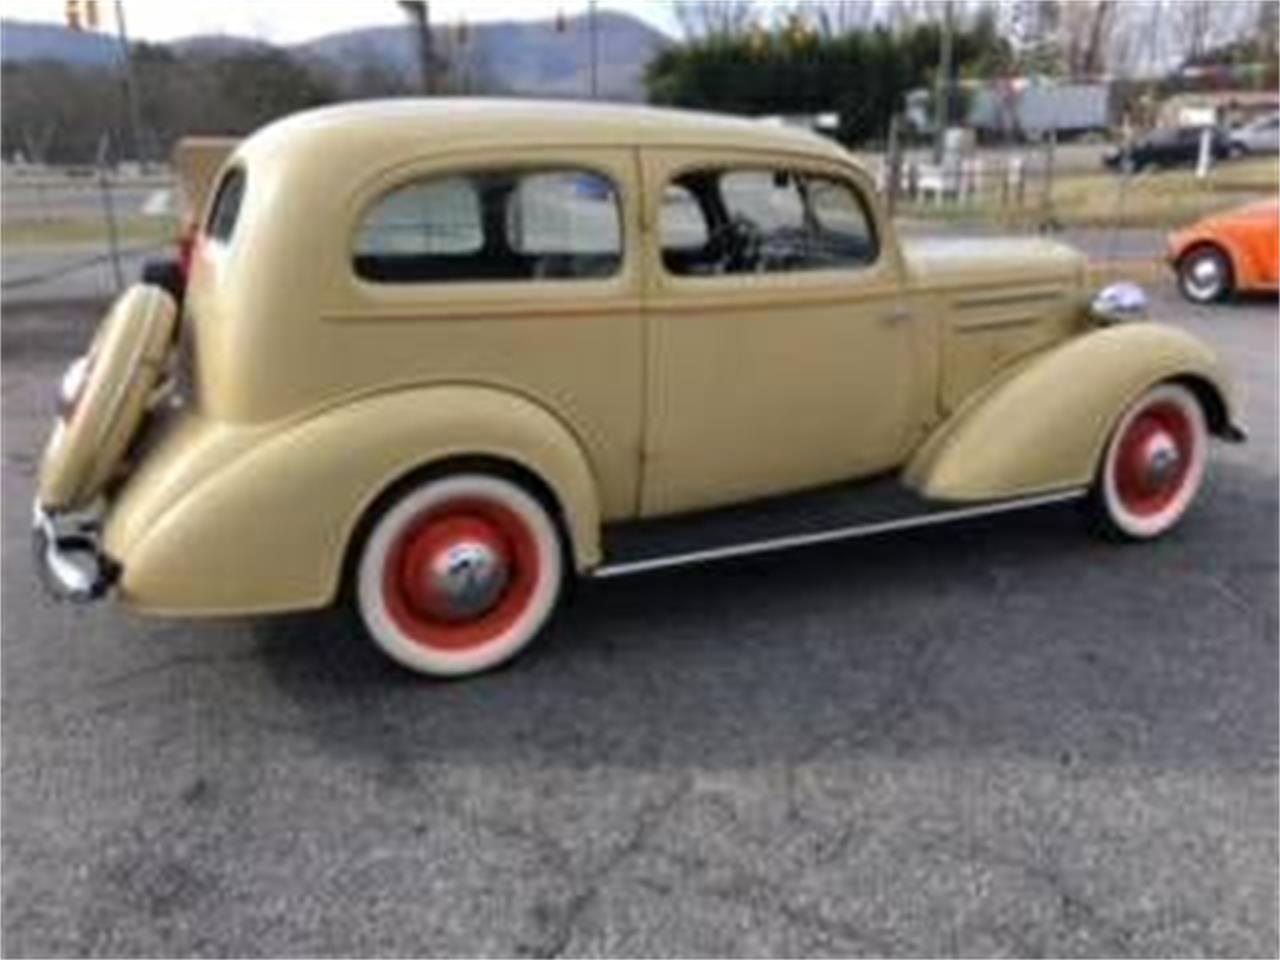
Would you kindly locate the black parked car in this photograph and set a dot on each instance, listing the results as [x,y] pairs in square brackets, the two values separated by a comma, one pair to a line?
[1167,147]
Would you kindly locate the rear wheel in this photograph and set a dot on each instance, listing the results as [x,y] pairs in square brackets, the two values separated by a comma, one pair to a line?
[1204,275]
[459,574]
[1153,465]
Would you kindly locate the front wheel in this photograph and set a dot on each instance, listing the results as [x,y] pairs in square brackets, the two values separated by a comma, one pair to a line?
[459,574]
[1153,465]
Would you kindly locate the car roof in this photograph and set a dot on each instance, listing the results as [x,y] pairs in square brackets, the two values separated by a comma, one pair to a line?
[386,129]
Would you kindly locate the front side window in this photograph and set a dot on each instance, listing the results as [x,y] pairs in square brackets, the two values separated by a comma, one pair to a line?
[763,221]
[226,205]
[492,225]
[684,223]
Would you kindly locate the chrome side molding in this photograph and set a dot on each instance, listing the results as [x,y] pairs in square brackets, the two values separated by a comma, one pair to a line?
[776,544]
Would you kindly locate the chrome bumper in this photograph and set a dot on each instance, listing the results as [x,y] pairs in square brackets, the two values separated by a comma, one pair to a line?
[68,559]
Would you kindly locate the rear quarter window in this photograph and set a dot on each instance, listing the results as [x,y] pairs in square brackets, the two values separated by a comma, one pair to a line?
[492,225]
[226,205]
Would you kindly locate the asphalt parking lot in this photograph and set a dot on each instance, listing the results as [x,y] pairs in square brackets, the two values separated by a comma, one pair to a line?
[1003,738]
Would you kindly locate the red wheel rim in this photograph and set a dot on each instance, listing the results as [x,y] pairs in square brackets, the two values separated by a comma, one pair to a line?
[412,569]
[1153,459]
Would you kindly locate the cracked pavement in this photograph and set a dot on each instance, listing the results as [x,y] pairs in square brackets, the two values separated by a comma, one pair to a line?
[1002,738]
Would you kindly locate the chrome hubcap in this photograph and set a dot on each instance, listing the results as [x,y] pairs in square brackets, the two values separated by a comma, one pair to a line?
[1205,276]
[466,578]
[1161,459]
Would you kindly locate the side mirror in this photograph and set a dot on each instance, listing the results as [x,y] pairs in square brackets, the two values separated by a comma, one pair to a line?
[1119,302]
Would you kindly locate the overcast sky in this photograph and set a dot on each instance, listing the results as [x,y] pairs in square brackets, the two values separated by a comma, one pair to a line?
[282,21]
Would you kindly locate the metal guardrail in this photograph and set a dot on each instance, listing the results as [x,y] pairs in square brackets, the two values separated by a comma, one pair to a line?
[76,266]
[96,196]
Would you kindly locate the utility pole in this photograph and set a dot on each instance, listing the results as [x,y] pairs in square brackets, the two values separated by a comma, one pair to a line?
[893,168]
[130,86]
[942,88]
[594,28]
[419,14]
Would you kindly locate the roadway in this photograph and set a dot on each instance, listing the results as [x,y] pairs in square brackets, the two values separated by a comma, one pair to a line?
[998,738]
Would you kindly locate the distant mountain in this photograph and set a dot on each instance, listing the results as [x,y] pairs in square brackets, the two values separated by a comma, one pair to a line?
[216,44]
[531,58]
[25,40]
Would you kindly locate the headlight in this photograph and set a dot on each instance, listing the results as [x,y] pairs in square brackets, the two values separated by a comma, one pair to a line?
[1119,302]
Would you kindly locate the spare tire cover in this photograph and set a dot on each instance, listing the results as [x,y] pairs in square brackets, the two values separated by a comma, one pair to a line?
[125,363]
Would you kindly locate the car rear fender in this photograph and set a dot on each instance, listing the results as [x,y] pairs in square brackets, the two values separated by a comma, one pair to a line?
[1043,424]
[271,529]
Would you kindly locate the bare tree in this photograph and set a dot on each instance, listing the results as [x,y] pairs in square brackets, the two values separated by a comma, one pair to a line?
[1267,20]
[1195,27]
[1081,31]
[835,17]
[1190,22]
[418,13]
[1126,41]
[715,18]
[1092,61]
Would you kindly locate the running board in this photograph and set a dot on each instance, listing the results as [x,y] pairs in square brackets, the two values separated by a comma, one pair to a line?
[639,547]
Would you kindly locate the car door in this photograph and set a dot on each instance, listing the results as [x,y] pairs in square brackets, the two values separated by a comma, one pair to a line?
[1164,148]
[1267,138]
[515,269]
[779,352]
[1188,145]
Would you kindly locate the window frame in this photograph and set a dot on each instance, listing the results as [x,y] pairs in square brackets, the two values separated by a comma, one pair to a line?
[237,175]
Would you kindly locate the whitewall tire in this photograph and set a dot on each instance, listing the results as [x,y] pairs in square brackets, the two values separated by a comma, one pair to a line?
[1153,465]
[459,574]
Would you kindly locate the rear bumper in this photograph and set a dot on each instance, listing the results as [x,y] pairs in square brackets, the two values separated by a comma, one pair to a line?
[68,557]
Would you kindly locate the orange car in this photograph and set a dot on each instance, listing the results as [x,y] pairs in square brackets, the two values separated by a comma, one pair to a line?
[1227,252]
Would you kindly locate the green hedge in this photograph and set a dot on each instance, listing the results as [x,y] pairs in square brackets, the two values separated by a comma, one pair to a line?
[861,75]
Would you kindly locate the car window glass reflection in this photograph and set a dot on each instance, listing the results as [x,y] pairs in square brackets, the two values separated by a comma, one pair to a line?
[716,222]
[493,225]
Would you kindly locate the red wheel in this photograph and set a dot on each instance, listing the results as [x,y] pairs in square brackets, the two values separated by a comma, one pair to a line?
[459,575]
[1154,463]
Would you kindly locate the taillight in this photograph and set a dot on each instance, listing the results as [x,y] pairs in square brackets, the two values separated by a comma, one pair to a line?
[187,251]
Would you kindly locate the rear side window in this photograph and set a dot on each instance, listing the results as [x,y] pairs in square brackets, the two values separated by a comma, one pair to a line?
[226,205]
[435,217]
[557,224]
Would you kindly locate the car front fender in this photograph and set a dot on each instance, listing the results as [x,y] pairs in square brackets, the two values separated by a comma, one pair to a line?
[268,528]
[1043,424]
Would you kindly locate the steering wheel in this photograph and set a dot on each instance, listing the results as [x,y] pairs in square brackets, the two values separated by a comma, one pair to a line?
[741,242]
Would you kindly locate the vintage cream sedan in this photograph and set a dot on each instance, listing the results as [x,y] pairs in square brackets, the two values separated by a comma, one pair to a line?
[434,358]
